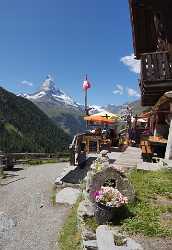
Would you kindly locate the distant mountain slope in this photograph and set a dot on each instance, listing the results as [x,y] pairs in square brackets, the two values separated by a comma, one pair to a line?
[59,106]
[68,118]
[137,108]
[65,111]
[25,128]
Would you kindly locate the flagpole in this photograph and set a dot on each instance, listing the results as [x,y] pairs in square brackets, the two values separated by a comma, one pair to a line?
[86,86]
[86,110]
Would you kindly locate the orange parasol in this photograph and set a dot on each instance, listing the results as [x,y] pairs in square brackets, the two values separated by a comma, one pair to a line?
[99,119]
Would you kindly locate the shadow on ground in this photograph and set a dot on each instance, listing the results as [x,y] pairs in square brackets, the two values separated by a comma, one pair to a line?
[11,176]
[15,169]
[76,176]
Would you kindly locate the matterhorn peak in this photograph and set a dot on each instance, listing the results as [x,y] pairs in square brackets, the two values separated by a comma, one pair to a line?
[48,84]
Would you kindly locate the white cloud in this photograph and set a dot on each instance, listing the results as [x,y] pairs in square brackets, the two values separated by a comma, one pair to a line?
[132,63]
[119,89]
[26,83]
[132,92]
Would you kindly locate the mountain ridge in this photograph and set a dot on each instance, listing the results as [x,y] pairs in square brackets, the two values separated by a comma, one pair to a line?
[49,92]
[65,111]
[25,128]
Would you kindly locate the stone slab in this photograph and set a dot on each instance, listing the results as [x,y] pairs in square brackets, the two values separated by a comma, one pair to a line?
[85,209]
[67,196]
[6,225]
[130,245]
[105,240]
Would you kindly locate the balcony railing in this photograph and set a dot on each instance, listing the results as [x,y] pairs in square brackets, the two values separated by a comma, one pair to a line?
[156,67]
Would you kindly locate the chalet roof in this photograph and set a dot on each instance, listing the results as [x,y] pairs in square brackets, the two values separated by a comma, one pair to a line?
[143,27]
[144,39]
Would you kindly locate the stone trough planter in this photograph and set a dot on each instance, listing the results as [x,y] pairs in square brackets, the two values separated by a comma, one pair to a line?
[105,214]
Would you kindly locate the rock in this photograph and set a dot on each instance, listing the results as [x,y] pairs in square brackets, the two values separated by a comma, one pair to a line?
[87,234]
[85,209]
[115,230]
[130,245]
[6,225]
[119,239]
[90,176]
[96,180]
[105,238]
[58,181]
[90,245]
[67,196]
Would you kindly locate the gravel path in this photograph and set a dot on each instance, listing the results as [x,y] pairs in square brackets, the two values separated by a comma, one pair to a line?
[25,197]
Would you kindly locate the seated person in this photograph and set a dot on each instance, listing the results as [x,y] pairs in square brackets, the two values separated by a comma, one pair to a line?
[113,137]
[98,131]
[105,142]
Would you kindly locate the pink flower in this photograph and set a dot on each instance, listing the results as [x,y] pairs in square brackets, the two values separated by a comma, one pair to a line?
[110,197]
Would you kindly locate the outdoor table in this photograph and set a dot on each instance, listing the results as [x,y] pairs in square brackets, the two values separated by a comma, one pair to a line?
[158,145]
[105,143]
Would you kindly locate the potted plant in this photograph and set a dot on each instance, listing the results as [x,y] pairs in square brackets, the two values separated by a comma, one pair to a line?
[109,204]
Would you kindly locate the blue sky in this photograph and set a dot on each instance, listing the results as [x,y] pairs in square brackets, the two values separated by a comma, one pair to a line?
[68,38]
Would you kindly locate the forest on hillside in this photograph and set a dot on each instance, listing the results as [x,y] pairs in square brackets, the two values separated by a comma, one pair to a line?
[25,128]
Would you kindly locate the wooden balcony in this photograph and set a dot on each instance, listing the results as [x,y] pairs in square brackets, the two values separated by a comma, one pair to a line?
[156,76]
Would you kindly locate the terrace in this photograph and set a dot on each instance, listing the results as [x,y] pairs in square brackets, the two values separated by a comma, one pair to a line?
[156,76]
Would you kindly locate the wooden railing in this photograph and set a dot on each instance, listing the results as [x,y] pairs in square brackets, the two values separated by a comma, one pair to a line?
[156,67]
[8,160]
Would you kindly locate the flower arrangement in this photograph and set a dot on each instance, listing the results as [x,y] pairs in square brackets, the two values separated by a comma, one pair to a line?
[110,196]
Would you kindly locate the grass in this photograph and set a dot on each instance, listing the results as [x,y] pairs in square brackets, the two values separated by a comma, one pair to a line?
[2,174]
[69,237]
[39,161]
[146,217]
[148,184]
[91,223]
[53,195]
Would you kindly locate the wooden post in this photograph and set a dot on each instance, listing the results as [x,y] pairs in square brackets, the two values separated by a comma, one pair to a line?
[88,145]
[1,167]
[98,146]
[155,127]
[168,152]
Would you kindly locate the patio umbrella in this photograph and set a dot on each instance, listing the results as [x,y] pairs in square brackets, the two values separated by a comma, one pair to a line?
[108,115]
[103,117]
[98,119]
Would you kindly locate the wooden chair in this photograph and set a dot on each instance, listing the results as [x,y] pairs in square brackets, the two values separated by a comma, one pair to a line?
[147,151]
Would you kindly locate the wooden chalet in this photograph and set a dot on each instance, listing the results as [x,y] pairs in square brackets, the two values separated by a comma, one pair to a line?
[152,39]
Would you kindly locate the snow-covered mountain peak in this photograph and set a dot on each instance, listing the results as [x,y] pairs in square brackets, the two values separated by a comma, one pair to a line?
[49,92]
[48,84]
